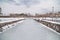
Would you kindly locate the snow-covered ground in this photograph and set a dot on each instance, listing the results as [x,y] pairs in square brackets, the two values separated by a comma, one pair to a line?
[47,18]
[2,20]
[53,20]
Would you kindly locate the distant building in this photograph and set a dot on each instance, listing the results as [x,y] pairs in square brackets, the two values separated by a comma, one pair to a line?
[18,15]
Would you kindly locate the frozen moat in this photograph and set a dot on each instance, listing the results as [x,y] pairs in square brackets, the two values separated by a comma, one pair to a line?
[29,30]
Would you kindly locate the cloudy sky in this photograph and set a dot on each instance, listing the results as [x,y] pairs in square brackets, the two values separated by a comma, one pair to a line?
[29,6]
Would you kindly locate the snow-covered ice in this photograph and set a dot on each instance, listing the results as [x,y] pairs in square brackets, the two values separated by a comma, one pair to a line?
[29,30]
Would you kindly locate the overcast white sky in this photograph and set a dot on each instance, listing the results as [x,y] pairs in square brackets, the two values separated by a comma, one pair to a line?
[29,6]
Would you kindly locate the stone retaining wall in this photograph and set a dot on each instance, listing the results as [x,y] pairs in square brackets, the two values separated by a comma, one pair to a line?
[55,27]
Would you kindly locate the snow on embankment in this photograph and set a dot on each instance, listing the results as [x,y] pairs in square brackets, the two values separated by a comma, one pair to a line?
[11,25]
[48,23]
[2,20]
